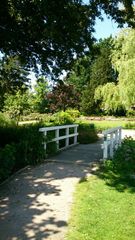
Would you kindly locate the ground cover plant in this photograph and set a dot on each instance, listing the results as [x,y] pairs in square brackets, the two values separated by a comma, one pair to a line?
[104,203]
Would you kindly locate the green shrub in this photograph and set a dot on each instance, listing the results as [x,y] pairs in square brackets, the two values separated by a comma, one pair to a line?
[30,146]
[130,125]
[10,134]
[67,117]
[5,120]
[124,158]
[87,133]
[21,146]
[51,148]
[131,113]
[35,116]
[7,161]
[62,118]
[120,171]
[73,112]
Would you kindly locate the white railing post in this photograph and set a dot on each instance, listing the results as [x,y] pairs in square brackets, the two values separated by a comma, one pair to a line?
[120,136]
[116,139]
[45,134]
[105,152]
[75,137]
[67,134]
[112,139]
[57,138]
[111,145]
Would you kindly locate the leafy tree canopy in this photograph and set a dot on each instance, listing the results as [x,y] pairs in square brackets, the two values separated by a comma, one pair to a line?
[110,98]
[100,72]
[39,98]
[79,75]
[52,33]
[13,76]
[124,62]
[16,105]
[95,68]
[120,95]
[62,97]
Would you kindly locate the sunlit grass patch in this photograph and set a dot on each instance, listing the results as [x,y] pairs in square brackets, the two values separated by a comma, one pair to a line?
[105,124]
[100,212]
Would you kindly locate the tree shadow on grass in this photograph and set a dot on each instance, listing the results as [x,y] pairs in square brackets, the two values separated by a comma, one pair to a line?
[115,178]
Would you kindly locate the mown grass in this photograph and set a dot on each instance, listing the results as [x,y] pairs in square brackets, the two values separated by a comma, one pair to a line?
[101,212]
[105,124]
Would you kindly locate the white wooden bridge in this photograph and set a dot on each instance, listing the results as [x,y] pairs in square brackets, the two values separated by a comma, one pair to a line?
[103,149]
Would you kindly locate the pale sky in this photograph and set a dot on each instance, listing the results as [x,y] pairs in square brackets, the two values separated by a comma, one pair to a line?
[106,28]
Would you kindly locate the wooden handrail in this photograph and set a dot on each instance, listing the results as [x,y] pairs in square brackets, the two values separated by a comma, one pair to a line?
[112,140]
[57,138]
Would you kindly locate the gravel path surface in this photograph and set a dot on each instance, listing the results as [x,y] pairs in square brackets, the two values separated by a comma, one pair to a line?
[35,204]
[126,132]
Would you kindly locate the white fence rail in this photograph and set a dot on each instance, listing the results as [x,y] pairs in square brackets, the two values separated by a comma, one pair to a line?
[57,137]
[112,139]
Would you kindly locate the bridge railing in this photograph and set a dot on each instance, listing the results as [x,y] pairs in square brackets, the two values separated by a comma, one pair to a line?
[112,139]
[67,135]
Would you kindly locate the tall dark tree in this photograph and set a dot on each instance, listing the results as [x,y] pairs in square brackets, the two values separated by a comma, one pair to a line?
[102,70]
[79,75]
[51,32]
[101,73]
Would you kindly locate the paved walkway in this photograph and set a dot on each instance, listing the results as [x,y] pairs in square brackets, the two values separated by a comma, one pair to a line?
[126,132]
[35,204]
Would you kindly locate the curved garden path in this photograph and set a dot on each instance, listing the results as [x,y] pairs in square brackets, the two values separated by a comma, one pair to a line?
[35,204]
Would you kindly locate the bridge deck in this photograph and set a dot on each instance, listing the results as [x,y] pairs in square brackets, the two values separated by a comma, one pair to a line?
[80,154]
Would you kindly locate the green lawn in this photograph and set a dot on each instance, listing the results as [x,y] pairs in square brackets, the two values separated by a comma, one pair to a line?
[101,212]
[105,124]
